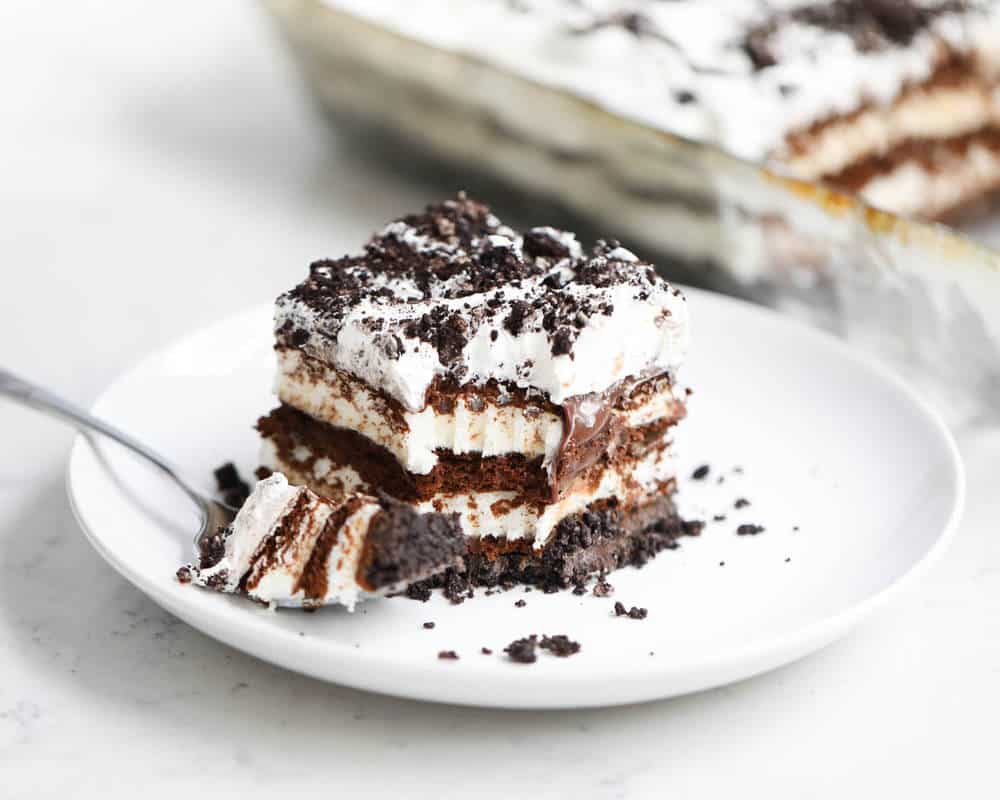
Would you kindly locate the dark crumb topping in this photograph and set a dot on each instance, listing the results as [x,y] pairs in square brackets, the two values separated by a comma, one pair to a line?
[749,530]
[212,548]
[454,250]
[603,589]
[429,626]
[456,587]
[633,613]
[559,645]
[871,24]
[701,472]
[448,655]
[231,486]
[418,591]
[741,502]
[522,651]
[520,603]
[525,650]
[486,651]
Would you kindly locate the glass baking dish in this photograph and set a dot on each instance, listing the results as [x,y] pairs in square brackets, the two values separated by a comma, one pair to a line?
[920,297]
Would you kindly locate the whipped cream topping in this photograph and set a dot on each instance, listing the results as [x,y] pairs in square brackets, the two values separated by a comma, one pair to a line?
[742,74]
[454,295]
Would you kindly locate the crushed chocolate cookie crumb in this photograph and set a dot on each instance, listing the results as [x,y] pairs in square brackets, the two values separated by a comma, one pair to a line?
[231,486]
[719,518]
[749,530]
[579,589]
[184,575]
[741,502]
[520,603]
[562,342]
[603,589]
[418,591]
[559,645]
[701,473]
[429,625]
[633,613]
[486,651]
[456,587]
[448,655]
[522,651]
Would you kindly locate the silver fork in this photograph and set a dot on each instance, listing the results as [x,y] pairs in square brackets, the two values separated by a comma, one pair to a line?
[214,514]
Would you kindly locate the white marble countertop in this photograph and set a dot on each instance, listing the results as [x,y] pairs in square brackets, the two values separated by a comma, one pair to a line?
[160,168]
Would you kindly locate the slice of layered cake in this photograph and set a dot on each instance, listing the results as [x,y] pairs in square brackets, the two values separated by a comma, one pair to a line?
[288,546]
[516,380]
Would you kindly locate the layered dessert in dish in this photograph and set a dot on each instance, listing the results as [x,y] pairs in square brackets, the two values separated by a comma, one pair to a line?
[516,380]
[288,546]
[897,100]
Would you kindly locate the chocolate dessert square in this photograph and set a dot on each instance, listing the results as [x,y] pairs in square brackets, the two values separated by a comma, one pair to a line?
[514,379]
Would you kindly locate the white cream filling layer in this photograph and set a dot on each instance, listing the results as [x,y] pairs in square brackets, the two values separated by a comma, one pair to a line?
[493,430]
[490,513]
[489,429]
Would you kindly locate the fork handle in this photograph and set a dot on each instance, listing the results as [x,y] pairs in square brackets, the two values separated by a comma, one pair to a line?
[41,399]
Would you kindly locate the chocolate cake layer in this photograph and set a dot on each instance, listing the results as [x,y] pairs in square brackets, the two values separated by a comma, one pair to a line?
[312,448]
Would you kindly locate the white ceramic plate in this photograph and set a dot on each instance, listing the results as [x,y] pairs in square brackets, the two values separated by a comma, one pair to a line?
[827,444]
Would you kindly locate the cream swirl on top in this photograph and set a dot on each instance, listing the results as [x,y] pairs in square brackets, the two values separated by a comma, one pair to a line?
[454,295]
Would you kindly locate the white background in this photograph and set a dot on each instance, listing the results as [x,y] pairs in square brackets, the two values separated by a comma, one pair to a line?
[160,169]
